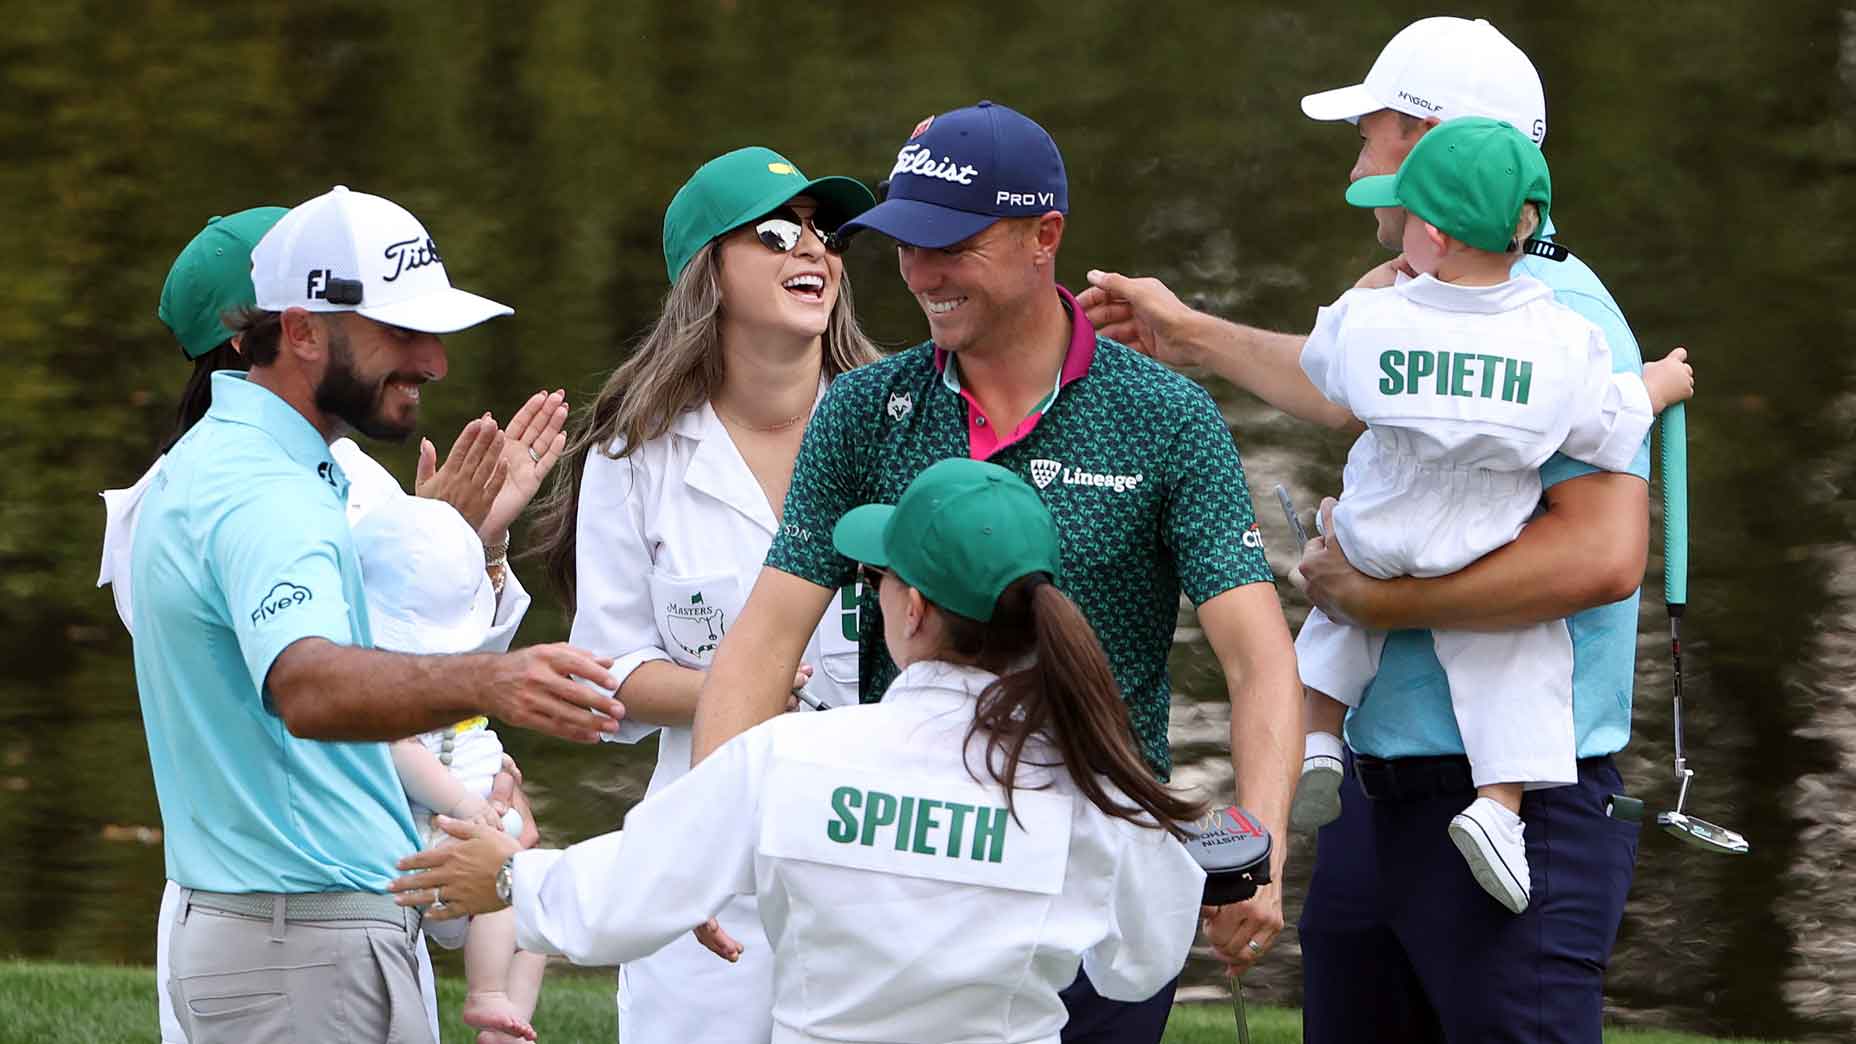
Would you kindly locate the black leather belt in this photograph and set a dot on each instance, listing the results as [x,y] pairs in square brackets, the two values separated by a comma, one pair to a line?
[1413,779]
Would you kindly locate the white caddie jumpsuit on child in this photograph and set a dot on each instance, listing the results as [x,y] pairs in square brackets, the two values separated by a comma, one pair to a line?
[1465,392]
[902,902]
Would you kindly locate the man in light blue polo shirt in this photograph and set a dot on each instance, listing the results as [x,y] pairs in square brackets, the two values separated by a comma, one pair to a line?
[264,704]
[1397,942]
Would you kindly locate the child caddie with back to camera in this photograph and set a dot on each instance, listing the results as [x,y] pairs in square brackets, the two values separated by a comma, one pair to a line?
[428,593]
[1467,379]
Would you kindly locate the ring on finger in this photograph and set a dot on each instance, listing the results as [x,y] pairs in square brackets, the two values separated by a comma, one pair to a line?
[532,455]
[1254,947]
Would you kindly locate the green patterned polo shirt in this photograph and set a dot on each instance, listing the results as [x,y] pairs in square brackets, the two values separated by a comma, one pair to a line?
[1134,461]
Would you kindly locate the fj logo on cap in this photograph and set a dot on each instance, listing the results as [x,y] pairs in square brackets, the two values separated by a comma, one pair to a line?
[325,285]
[408,254]
[916,159]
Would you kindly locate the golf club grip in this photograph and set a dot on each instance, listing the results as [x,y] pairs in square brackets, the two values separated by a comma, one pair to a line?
[1675,507]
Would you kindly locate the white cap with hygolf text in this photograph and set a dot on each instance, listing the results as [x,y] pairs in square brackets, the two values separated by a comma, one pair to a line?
[351,252]
[1443,68]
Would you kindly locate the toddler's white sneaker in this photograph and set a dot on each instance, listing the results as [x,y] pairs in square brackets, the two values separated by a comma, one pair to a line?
[1491,840]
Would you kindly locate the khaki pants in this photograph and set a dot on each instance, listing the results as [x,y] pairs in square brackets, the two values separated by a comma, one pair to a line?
[238,979]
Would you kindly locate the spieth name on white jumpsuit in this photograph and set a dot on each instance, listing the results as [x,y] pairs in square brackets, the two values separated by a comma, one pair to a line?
[368,483]
[670,542]
[903,904]
[1448,471]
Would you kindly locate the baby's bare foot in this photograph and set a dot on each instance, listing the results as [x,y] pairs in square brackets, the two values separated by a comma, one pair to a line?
[492,1012]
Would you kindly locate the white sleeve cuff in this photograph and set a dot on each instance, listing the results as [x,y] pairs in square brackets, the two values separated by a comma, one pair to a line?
[632,731]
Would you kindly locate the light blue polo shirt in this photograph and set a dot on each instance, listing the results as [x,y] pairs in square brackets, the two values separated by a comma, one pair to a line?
[1405,712]
[242,547]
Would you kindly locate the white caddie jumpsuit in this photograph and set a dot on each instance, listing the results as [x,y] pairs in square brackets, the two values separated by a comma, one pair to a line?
[670,542]
[903,903]
[368,482]
[1465,393]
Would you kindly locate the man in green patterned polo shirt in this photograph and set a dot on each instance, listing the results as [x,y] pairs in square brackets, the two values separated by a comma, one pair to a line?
[1135,463]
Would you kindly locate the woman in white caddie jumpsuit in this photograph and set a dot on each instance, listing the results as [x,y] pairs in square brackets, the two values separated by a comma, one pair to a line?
[660,525]
[934,867]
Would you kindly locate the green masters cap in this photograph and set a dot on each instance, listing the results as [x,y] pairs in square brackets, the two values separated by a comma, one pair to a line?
[963,531]
[212,276]
[1467,176]
[736,187]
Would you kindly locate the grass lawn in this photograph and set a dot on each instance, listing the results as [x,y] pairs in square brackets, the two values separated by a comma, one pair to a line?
[80,1004]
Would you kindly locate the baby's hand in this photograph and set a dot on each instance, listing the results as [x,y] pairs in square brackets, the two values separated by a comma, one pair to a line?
[1670,380]
[477,810]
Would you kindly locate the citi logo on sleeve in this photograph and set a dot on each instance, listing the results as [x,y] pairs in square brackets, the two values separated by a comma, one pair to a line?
[283,595]
[1045,471]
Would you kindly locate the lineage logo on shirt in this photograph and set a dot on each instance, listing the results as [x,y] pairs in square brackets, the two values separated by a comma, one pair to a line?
[1044,472]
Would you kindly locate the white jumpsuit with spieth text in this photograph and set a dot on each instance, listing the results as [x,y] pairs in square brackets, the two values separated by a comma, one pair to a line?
[670,541]
[1465,392]
[903,903]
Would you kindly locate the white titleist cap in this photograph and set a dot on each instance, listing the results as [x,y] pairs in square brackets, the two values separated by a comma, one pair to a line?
[422,568]
[1444,68]
[351,252]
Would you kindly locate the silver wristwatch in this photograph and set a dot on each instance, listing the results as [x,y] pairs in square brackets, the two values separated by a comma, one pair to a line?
[505,882]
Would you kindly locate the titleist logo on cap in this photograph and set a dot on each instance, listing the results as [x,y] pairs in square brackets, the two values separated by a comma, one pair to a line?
[916,159]
[409,254]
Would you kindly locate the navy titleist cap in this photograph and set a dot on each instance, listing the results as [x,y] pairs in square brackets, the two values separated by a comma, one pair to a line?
[963,170]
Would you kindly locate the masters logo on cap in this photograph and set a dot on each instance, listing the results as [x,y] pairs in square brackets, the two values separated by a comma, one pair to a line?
[351,252]
[963,170]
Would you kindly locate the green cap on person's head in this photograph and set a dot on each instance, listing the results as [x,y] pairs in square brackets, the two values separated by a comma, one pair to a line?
[212,276]
[1469,177]
[736,187]
[962,533]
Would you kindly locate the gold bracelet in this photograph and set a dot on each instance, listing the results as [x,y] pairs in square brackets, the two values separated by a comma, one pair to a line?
[497,556]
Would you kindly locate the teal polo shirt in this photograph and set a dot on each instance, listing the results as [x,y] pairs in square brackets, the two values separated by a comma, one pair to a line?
[1405,712]
[242,548]
[1134,461]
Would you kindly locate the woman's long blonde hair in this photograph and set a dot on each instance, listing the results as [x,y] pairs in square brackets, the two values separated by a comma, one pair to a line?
[676,368]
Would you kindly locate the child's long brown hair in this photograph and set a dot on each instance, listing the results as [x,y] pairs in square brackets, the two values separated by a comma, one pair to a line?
[1068,695]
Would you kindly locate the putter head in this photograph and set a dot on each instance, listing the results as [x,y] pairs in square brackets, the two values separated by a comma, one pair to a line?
[1702,834]
[1233,849]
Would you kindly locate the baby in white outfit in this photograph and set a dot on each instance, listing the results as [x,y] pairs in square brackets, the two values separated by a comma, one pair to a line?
[428,593]
[1468,378]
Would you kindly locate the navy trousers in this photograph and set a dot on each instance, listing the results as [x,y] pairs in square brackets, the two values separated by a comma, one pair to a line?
[1400,944]
[1094,1019]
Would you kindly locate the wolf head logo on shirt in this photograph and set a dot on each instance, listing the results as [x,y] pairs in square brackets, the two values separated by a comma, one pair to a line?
[900,403]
